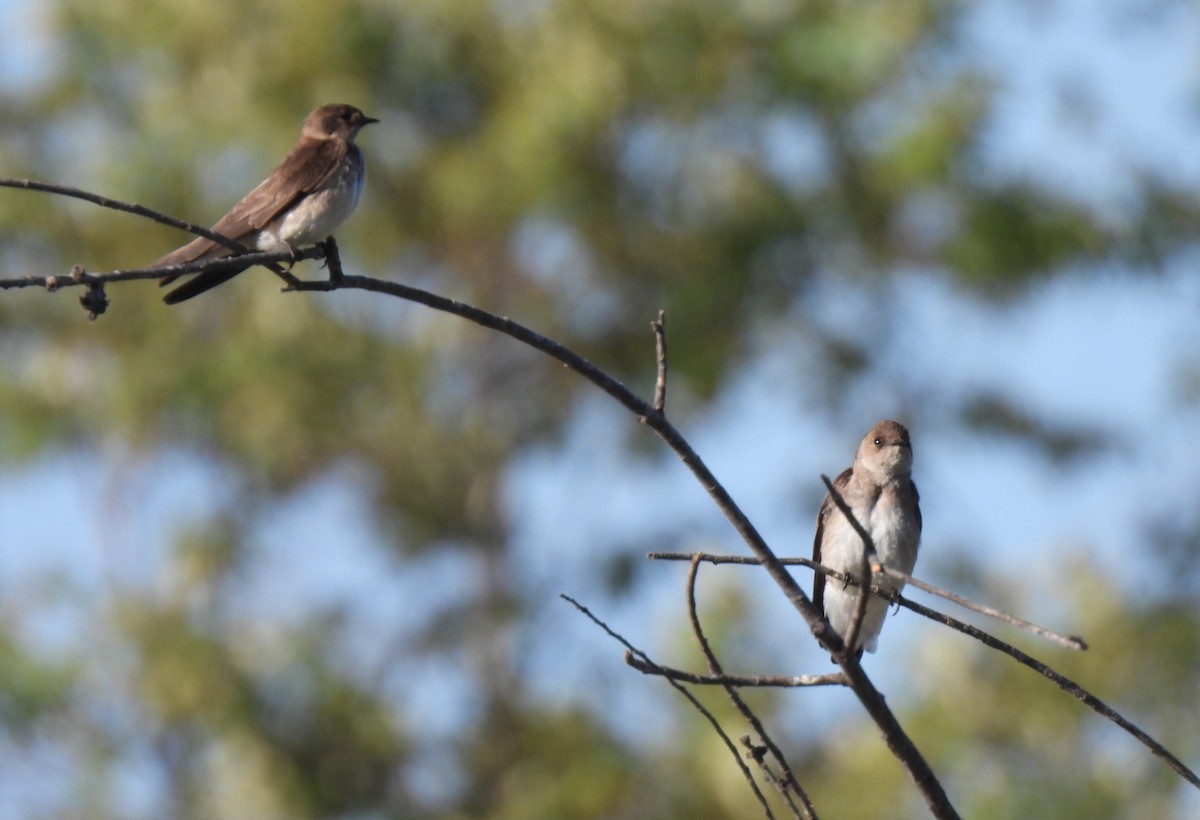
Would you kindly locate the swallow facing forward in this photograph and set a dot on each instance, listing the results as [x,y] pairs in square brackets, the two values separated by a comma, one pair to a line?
[310,193]
[879,490]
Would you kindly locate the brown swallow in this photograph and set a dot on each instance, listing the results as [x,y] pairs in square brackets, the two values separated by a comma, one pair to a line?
[879,490]
[310,193]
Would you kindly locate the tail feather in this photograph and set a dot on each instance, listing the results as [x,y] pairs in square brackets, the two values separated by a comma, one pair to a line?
[199,248]
[197,284]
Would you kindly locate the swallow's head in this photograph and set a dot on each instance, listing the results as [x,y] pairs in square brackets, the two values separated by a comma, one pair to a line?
[886,450]
[335,120]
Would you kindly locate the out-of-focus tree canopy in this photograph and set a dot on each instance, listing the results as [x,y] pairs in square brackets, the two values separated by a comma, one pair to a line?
[574,164]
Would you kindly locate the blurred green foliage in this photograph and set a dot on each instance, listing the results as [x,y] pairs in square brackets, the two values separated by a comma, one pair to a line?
[642,137]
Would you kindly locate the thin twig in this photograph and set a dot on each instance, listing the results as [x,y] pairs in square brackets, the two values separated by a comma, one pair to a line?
[759,755]
[683,690]
[1066,684]
[95,300]
[742,681]
[659,326]
[129,207]
[790,783]
[55,281]
[749,560]
[1074,642]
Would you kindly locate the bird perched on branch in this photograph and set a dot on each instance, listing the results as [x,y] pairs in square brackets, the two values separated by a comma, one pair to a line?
[879,491]
[310,193]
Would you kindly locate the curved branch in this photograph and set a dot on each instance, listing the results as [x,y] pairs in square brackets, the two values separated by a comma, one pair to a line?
[788,784]
[1067,642]
[895,737]
[127,207]
[986,638]
[78,276]
[630,649]
[1063,682]
[897,740]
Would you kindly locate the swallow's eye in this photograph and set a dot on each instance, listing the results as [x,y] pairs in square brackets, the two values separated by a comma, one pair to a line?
[878,442]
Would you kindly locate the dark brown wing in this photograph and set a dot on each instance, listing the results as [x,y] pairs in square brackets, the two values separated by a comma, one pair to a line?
[827,508]
[916,504]
[305,170]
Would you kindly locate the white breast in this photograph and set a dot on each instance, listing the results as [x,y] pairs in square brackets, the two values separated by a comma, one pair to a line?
[842,549]
[319,214]
[888,521]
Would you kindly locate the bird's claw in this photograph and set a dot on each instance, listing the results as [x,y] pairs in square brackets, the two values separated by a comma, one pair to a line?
[330,248]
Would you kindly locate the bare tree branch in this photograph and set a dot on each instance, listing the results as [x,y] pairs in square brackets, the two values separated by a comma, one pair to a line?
[79,276]
[897,740]
[128,207]
[652,416]
[1074,642]
[1064,683]
[759,755]
[630,649]
[659,326]
[895,737]
[745,681]
[789,784]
